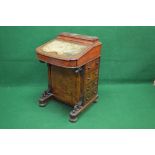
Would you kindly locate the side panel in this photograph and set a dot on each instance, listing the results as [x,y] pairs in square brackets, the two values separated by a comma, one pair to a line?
[66,84]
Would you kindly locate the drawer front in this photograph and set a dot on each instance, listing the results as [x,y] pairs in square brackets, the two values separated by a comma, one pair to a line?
[91,80]
[91,76]
[90,90]
[91,66]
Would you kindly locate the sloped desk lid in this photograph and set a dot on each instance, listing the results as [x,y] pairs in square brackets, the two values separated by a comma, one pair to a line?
[62,49]
[66,47]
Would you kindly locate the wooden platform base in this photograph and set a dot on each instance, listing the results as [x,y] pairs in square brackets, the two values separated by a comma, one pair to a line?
[73,116]
[44,98]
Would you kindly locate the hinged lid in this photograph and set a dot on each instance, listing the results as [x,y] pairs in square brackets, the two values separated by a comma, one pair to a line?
[67,47]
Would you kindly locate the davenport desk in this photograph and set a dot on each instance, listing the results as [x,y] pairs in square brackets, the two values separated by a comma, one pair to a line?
[73,69]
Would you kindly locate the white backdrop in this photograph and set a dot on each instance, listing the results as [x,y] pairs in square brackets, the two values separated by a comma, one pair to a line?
[77,13]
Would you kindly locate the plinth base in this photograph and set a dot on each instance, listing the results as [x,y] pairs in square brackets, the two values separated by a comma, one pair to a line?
[78,109]
[45,97]
[73,116]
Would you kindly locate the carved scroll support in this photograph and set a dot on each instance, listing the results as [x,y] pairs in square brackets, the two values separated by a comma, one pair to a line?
[48,93]
[79,107]
[44,98]
[74,113]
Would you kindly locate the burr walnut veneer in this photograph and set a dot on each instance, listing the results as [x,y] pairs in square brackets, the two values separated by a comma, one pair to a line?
[73,70]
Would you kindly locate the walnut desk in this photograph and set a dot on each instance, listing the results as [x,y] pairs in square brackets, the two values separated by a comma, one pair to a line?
[73,69]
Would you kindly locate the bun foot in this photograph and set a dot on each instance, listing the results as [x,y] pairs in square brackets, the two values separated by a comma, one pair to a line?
[73,116]
[73,119]
[42,104]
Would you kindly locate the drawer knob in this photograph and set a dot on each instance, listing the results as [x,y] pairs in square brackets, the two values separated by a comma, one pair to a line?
[88,78]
